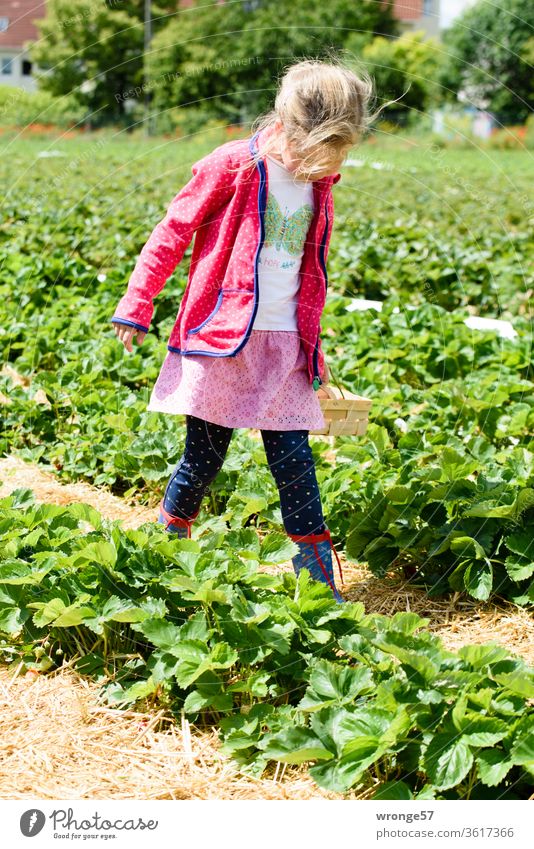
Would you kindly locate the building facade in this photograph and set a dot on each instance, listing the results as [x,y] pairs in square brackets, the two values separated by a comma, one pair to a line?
[417,15]
[16,28]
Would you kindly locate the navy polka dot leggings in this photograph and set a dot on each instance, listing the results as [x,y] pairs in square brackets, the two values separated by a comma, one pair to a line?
[290,460]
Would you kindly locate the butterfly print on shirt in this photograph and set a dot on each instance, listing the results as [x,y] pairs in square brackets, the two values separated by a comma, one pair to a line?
[286,231]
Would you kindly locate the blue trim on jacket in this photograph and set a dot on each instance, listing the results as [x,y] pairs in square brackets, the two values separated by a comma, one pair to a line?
[321,256]
[261,210]
[210,316]
[131,323]
[262,203]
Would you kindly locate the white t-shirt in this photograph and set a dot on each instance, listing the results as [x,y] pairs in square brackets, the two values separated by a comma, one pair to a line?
[288,216]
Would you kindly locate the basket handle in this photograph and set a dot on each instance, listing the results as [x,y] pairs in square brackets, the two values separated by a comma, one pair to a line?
[335,381]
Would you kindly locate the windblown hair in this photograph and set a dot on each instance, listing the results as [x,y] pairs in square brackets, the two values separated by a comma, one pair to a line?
[323,107]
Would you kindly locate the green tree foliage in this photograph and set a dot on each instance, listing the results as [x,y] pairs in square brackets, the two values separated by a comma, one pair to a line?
[406,68]
[94,51]
[225,59]
[491,50]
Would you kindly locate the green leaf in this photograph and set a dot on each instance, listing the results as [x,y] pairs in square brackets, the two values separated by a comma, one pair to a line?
[522,543]
[295,746]
[15,571]
[417,661]
[489,509]
[480,730]
[196,628]
[244,542]
[103,552]
[427,792]
[11,620]
[196,658]
[407,623]
[139,690]
[455,466]
[380,554]
[467,547]
[519,568]
[73,615]
[277,548]
[208,594]
[493,766]
[332,683]
[86,513]
[122,610]
[249,612]
[341,774]
[447,760]
[520,681]
[393,790]
[400,495]
[253,503]
[161,633]
[522,752]
[209,692]
[57,613]
[479,656]
[378,437]
[478,579]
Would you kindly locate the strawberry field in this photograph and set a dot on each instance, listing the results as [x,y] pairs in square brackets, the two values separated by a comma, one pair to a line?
[438,493]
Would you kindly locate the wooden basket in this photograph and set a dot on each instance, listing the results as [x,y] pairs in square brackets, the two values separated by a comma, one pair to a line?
[345,414]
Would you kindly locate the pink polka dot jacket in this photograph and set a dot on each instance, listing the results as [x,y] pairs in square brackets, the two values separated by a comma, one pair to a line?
[225,209]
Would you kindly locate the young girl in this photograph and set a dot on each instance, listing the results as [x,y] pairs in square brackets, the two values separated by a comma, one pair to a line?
[245,350]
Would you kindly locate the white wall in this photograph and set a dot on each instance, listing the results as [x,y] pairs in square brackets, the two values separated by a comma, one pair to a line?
[16,77]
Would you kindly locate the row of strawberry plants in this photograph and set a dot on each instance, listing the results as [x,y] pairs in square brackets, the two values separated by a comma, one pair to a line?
[368,702]
[441,226]
[439,488]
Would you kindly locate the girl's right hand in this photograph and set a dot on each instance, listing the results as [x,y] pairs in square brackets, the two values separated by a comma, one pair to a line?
[127,333]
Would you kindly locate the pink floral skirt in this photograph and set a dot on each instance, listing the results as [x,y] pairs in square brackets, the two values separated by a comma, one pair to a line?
[265,385]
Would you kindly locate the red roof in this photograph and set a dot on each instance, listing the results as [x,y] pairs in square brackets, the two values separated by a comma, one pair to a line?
[20,14]
[407,10]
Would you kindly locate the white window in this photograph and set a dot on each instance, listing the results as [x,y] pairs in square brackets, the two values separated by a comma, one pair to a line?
[4,23]
[6,65]
[428,7]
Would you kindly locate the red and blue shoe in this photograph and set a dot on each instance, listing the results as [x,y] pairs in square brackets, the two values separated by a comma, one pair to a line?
[315,555]
[175,524]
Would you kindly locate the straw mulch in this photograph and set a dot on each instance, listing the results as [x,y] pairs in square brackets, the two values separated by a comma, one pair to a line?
[458,620]
[60,742]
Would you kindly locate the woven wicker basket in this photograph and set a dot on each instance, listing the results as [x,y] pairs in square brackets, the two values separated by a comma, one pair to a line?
[345,414]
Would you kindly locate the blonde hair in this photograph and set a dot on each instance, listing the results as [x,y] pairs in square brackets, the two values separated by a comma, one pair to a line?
[323,107]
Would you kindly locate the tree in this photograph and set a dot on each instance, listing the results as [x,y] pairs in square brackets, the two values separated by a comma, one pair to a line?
[94,51]
[226,58]
[405,68]
[490,51]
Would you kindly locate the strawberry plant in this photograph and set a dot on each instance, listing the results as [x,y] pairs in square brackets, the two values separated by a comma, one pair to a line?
[364,699]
